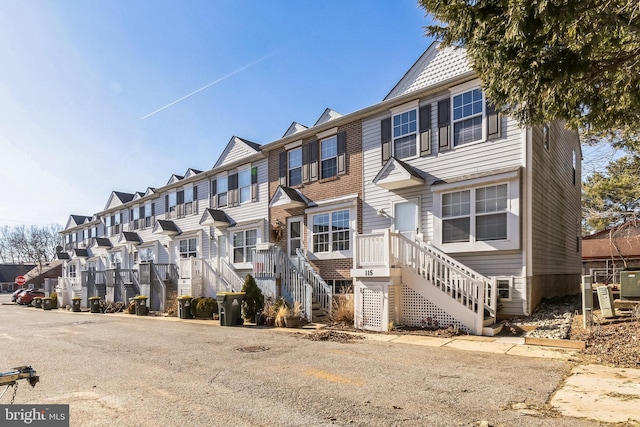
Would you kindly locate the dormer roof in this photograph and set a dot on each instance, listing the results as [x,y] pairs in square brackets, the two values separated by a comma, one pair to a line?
[327,116]
[237,148]
[396,174]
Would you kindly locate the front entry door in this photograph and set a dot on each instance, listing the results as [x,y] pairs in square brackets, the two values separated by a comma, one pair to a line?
[294,235]
[406,218]
[222,251]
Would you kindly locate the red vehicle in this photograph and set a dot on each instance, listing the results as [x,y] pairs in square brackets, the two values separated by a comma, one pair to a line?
[26,298]
[17,293]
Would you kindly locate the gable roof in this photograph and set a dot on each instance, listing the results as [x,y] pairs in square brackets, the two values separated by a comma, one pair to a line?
[237,148]
[129,237]
[434,66]
[81,253]
[616,242]
[327,116]
[294,128]
[118,198]
[167,227]
[174,178]
[9,272]
[102,242]
[76,220]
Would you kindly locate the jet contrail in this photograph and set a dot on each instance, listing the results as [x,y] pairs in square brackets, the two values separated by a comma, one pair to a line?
[204,87]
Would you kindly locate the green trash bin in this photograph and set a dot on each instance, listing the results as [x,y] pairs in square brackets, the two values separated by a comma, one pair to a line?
[184,307]
[37,302]
[229,304]
[47,303]
[94,304]
[141,305]
[75,304]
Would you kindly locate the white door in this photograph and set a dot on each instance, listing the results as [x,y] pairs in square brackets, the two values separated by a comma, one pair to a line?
[294,235]
[406,218]
[222,250]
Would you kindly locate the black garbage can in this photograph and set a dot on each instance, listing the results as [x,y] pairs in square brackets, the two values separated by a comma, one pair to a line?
[141,305]
[37,302]
[47,303]
[229,308]
[75,304]
[184,307]
[94,304]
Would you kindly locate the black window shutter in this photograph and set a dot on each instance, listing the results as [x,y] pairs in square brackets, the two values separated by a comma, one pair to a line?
[180,197]
[444,125]
[342,153]
[385,135]
[305,163]
[493,121]
[283,168]
[233,181]
[153,209]
[166,203]
[141,212]
[195,193]
[425,130]
[121,218]
[254,184]
[313,160]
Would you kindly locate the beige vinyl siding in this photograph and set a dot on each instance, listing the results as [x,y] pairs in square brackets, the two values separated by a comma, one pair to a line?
[236,150]
[556,206]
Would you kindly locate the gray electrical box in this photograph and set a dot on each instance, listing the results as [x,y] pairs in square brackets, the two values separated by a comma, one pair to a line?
[630,284]
[605,298]
[587,302]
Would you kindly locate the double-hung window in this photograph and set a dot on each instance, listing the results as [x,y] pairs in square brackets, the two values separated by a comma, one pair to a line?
[172,205]
[188,248]
[329,157]
[295,166]
[188,200]
[148,214]
[223,189]
[467,117]
[146,254]
[331,231]
[135,217]
[475,215]
[405,130]
[244,242]
[244,185]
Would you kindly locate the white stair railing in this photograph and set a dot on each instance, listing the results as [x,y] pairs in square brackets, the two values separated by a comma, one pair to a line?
[466,286]
[322,293]
[213,277]
[274,263]
[230,276]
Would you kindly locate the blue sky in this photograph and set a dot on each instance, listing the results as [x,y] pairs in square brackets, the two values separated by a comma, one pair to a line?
[78,77]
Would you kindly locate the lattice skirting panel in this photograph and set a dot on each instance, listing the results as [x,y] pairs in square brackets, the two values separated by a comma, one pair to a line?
[372,305]
[417,311]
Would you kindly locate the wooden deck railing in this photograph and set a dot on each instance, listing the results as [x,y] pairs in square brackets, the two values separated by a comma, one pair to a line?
[322,293]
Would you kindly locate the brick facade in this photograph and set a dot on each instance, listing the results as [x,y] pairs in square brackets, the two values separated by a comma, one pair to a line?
[342,185]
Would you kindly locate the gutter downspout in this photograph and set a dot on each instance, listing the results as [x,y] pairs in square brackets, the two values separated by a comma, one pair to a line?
[527,225]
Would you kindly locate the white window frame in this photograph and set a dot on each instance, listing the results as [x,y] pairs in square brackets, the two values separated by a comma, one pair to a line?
[189,250]
[509,280]
[333,157]
[147,224]
[246,249]
[189,204]
[338,204]
[172,208]
[135,220]
[145,251]
[246,187]
[460,91]
[398,111]
[221,179]
[512,242]
[290,169]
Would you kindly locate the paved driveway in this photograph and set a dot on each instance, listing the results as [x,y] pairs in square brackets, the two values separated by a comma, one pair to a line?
[126,370]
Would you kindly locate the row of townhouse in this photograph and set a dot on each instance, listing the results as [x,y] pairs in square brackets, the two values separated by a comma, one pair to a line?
[431,206]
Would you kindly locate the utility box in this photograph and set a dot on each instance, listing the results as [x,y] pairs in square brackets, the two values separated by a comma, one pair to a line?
[587,302]
[605,298]
[630,284]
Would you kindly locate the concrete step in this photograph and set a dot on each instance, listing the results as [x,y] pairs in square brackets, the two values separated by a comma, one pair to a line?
[492,330]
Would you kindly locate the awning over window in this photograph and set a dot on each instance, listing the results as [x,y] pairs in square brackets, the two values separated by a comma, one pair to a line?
[168,228]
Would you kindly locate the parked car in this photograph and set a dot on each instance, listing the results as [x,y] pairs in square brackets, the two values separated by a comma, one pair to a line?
[26,298]
[17,293]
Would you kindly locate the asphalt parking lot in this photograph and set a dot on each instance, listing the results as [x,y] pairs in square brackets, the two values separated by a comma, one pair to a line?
[127,370]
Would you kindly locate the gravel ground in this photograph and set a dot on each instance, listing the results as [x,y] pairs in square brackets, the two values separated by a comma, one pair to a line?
[551,319]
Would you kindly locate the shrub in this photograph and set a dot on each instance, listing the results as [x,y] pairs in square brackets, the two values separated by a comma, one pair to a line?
[253,300]
[194,307]
[205,307]
[342,309]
